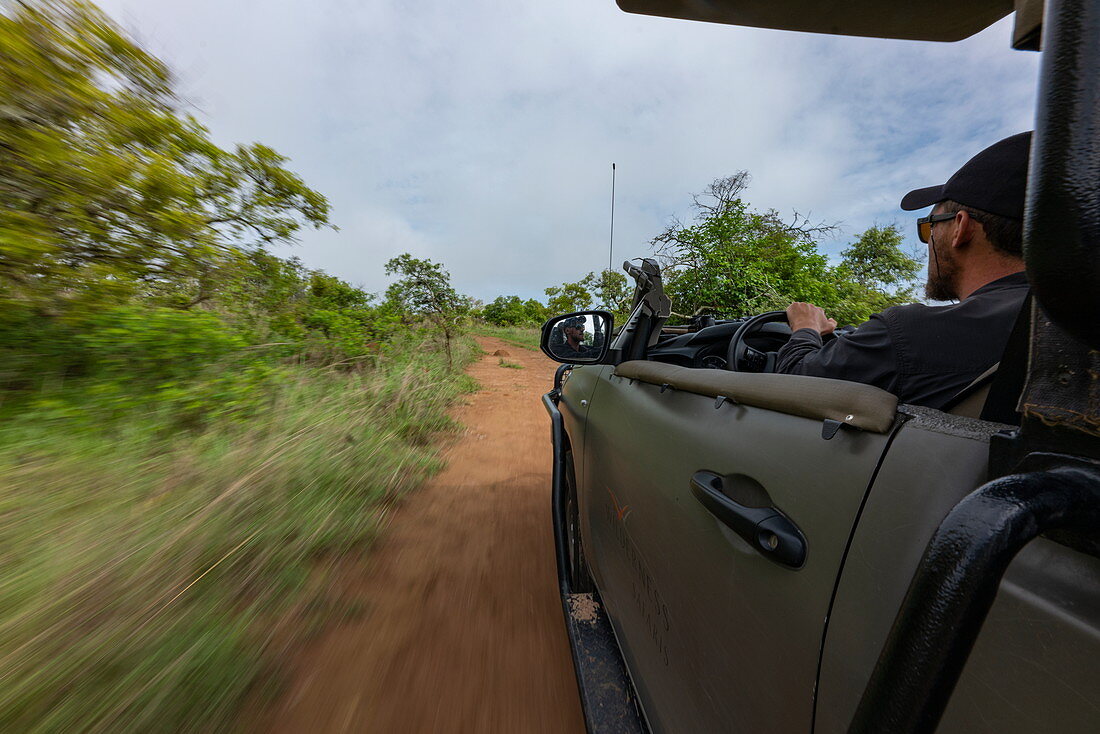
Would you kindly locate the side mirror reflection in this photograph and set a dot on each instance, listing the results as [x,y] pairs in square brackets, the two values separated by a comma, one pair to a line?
[577,338]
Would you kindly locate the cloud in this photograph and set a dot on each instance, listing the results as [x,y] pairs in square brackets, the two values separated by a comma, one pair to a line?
[481,135]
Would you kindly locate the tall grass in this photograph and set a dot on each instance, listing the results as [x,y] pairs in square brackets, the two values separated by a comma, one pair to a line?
[150,578]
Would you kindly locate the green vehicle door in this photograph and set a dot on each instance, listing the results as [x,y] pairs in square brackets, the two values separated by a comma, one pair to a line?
[719,636]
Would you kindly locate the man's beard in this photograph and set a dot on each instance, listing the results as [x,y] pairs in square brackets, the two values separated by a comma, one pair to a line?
[941,285]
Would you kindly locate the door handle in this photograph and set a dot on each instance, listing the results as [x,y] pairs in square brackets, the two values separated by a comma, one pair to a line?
[766,529]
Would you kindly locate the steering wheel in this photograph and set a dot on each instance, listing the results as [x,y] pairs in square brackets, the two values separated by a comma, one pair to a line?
[741,357]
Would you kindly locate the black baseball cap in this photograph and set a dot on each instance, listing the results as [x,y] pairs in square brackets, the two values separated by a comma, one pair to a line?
[994,181]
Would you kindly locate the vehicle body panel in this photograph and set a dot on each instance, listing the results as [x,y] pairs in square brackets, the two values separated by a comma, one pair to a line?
[1042,639]
[1036,663]
[581,381]
[717,636]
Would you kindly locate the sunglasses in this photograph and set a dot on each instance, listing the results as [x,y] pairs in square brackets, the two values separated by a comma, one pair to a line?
[924,225]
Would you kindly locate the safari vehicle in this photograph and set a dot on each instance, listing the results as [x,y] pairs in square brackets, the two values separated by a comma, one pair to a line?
[741,551]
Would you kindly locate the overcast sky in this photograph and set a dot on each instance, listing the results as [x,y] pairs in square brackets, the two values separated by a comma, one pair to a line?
[481,134]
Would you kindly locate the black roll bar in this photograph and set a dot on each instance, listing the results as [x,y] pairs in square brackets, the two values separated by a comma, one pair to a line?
[1062,217]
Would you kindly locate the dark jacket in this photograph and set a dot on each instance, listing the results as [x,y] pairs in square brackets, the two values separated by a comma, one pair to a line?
[923,354]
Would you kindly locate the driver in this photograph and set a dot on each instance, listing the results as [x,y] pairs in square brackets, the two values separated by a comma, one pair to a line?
[572,345]
[927,354]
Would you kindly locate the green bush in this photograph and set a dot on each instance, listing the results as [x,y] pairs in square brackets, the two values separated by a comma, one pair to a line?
[152,346]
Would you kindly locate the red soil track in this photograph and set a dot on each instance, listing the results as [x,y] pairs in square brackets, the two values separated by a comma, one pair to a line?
[463,630]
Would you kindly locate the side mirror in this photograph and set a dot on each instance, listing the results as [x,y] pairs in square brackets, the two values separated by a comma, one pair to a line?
[577,338]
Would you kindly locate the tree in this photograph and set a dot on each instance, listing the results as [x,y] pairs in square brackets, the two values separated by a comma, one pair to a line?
[876,260]
[875,273]
[569,297]
[536,313]
[512,311]
[424,291]
[106,189]
[132,248]
[608,290]
[613,291]
[733,260]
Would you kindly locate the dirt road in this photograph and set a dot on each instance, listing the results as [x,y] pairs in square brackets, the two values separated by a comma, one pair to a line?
[463,630]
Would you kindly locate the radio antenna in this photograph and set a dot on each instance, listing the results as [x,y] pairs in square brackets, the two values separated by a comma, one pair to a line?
[611,246]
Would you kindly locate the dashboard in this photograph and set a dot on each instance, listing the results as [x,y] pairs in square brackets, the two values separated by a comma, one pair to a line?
[708,347]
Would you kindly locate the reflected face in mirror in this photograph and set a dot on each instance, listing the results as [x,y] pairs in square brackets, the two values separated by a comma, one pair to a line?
[574,335]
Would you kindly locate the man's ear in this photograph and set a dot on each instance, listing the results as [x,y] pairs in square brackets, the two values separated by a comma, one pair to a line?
[963,232]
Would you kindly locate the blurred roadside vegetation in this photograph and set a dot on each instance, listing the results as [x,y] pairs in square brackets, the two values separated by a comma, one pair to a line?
[153,579]
[192,430]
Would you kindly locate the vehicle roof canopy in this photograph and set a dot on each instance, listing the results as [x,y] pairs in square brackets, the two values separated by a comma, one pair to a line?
[930,20]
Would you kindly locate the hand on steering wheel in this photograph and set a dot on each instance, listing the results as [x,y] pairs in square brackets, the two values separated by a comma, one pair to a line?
[740,355]
[808,316]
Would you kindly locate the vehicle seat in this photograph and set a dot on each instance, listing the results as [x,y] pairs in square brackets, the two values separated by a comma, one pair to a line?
[994,394]
[970,401]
